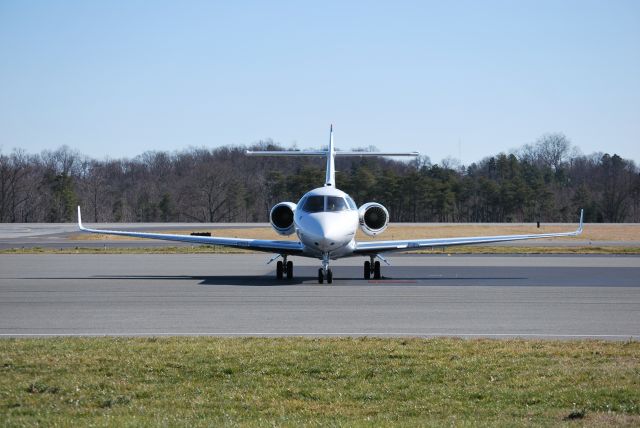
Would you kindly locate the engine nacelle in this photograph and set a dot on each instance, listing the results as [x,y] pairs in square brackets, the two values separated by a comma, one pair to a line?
[373,218]
[281,217]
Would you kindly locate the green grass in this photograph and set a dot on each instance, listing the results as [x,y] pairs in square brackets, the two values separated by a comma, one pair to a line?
[291,382]
[209,249]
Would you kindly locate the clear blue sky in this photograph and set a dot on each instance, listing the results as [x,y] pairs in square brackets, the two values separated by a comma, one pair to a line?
[117,78]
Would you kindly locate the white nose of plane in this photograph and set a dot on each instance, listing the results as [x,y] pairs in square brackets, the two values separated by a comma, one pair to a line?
[325,231]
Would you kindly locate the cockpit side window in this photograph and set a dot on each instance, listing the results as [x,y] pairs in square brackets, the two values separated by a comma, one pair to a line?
[314,204]
[336,203]
[351,203]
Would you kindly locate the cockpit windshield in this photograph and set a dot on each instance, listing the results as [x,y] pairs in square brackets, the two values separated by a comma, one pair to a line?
[335,203]
[316,204]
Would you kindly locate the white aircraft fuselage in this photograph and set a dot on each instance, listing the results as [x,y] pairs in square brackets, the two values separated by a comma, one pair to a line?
[327,228]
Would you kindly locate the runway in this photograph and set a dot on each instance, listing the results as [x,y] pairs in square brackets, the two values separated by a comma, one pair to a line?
[236,295]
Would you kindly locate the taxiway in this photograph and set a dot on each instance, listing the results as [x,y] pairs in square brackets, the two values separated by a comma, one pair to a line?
[237,294]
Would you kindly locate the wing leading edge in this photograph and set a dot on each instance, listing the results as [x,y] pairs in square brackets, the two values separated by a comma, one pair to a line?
[280,247]
[365,248]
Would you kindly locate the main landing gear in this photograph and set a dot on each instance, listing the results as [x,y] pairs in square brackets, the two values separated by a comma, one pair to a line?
[372,267]
[284,267]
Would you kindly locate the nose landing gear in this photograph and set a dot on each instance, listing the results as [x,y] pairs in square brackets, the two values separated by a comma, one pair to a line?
[322,276]
[372,267]
[324,271]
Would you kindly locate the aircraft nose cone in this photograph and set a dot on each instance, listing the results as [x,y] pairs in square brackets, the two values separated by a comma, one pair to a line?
[326,234]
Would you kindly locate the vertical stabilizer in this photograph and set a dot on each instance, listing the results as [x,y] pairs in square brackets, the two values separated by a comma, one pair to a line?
[330,180]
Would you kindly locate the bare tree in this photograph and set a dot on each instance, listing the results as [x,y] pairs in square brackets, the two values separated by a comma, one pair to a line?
[550,151]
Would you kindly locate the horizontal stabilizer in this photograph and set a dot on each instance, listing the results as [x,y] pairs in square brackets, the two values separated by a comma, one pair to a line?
[324,153]
[285,153]
[414,154]
[330,154]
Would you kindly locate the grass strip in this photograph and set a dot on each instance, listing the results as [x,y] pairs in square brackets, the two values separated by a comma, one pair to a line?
[208,381]
[209,249]
[481,249]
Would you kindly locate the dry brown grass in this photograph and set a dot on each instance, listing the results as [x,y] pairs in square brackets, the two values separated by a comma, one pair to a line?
[593,232]
[218,249]
[612,419]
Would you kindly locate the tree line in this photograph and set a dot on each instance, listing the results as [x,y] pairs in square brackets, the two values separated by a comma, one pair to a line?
[548,181]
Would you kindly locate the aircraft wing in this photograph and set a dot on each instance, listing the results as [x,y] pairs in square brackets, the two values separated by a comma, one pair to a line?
[374,247]
[280,247]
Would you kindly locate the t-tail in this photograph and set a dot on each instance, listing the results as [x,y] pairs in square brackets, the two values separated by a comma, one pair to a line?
[330,154]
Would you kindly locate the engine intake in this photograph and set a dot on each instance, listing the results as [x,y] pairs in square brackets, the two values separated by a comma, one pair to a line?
[281,217]
[374,218]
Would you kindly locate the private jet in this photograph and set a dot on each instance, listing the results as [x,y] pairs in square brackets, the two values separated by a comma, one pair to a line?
[325,221]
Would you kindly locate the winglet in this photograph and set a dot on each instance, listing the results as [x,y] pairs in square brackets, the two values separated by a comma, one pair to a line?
[581,220]
[80,219]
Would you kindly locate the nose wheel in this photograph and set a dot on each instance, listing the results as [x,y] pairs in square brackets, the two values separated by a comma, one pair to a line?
[324,272]
[322,276]
[372,268]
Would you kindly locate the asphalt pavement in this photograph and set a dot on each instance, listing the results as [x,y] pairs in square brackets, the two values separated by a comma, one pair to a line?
[237,294]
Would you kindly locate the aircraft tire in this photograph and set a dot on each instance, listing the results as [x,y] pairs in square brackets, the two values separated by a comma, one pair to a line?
[376,270]
[289,269]
[367,270]
[279,270]
[329,277]
[320,276]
